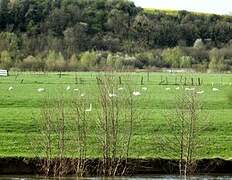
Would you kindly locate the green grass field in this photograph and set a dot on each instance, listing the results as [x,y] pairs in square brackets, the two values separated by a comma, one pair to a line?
[20,109]
[173,12]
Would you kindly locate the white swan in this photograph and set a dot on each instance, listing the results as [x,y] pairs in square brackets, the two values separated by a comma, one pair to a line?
[112,95]
[144,88]
[215,89]
[89,109]
[136,93]
[200,92]
[41,90]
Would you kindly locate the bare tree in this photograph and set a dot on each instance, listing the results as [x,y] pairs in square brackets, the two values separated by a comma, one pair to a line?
[184,126]
[53,136]
[115,124]
[65,130]
[60,121]
[79,126]
[45,140]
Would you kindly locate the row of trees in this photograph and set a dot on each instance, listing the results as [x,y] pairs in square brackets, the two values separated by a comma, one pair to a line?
[71,26]
[56,35]
[216,60]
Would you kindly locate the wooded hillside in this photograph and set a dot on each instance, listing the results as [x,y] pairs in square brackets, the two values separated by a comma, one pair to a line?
[70,27]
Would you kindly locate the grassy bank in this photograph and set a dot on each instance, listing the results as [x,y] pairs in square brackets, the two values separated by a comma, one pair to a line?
[20,109]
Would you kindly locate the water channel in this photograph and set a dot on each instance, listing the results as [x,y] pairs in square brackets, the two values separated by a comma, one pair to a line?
[141,177]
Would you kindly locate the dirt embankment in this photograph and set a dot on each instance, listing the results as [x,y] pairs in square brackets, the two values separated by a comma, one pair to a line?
[17,166]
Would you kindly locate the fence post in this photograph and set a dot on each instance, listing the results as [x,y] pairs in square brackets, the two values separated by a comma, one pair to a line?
[81,81]
[161,80]
[199,81]
[148,76]
[192,81]
[16,76]
[76,80]
[181,79]
[176,80]
[142,81]
[166,80]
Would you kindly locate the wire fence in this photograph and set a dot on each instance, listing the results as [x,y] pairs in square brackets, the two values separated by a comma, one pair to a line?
[138,78]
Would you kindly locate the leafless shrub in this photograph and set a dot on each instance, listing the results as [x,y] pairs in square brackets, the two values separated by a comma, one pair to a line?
[115,125]
[63,129]
[53,135]
[184,127]
[80,118]
[46,130]
[60,119]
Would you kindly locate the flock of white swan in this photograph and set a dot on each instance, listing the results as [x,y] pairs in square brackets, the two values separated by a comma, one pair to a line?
[134,93]
[191,89]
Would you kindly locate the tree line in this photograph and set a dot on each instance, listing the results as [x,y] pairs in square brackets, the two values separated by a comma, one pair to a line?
[68,28]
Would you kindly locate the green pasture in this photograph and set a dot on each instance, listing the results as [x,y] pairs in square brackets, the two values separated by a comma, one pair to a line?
[20,109]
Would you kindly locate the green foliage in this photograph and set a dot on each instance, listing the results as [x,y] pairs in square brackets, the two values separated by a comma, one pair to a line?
[146,59]
[118,22]
[143,27]
[32,63]
[8,41]
[98,60]
[186,61]
[37,26]
[50,61]
[55,62]
[115,61]
[79,26]
[75,38]
[173,56]
[216,60]
[201,67]
[88,59]
[4,12]
[5,60]
[60,62]
[56,22]
[73,62]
